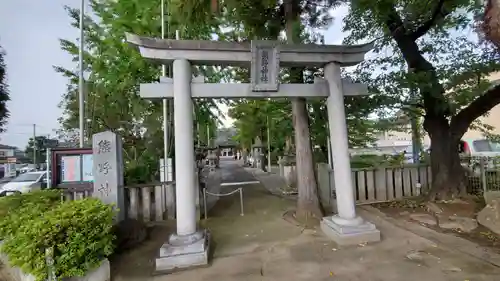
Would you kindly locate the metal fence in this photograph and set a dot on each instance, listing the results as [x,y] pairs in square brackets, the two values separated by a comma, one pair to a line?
[483,173]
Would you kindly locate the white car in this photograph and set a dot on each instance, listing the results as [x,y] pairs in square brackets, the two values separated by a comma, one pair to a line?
[26,170]
[25,183]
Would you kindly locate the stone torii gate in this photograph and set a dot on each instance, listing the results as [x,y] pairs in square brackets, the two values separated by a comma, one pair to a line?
[189,246]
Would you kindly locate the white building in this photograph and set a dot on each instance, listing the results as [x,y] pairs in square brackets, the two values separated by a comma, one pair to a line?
[7,151]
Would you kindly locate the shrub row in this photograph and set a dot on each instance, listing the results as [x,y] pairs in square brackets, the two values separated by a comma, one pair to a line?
[79,233]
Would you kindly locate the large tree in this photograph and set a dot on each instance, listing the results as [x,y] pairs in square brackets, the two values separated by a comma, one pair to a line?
[41,143]
[115,70]
[427,58]
[252,118]
[4,92]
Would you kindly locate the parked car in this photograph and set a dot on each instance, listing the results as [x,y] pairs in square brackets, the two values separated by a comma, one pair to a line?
[27,170]
[5,180]
[472,150]
[25,183]
[480,147]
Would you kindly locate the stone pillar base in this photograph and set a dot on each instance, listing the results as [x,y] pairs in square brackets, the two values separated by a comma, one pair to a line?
[350,234]
[183,252]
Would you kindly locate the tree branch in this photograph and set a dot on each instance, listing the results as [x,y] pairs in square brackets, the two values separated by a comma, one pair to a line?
[426,26]
[460,123]
[432,93]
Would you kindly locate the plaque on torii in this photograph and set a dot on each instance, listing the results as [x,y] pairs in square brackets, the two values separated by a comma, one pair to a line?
[265,66]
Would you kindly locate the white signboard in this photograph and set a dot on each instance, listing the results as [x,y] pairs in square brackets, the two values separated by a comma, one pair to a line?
[169,170]
[70,169]
[87,167]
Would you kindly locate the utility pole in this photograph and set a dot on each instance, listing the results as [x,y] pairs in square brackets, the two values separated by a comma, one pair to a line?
[329,151]
[34,144]
[208,135]
[416,142]
[81,98]
[165,104]
[198,132]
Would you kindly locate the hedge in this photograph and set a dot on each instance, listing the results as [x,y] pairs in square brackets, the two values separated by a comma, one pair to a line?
[78,232]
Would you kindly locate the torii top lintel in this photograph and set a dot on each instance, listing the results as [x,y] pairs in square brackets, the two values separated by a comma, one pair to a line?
[201,52]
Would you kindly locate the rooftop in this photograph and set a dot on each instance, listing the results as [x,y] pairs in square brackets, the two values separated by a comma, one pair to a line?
[3,146]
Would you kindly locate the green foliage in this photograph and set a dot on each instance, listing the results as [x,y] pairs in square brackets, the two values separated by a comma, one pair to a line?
[371,160]
[445,43]
[428,62]
[115,71]
[42,143]
[4,92]
[78,232]
[251,115]
[18,208]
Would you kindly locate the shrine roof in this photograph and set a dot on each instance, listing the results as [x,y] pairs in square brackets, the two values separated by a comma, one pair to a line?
[204,52]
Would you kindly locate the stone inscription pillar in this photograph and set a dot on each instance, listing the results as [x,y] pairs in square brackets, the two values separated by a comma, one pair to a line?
[108,171]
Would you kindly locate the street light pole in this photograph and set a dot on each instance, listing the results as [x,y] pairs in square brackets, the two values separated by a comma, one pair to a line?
[165,101]
[34,145]
[208,136]
[81,104]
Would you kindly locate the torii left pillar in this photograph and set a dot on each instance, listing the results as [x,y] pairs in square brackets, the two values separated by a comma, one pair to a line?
[189,246]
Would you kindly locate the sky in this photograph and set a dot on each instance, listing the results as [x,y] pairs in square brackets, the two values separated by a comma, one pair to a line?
[29,33]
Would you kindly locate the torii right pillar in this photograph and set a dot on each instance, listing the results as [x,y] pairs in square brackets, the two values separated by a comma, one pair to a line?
[345,228]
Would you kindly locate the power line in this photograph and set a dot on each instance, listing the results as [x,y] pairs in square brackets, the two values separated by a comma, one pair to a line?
[18,133]
[27,125]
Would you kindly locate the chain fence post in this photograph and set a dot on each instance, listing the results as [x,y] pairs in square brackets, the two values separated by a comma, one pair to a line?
[49,260]
[241,201]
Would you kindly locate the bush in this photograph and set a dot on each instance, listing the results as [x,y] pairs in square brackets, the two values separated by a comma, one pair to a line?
[367,161]
[78,232]
[18,208]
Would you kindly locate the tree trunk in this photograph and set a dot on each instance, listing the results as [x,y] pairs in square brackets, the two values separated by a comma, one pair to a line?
[308,206]
[448,175]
